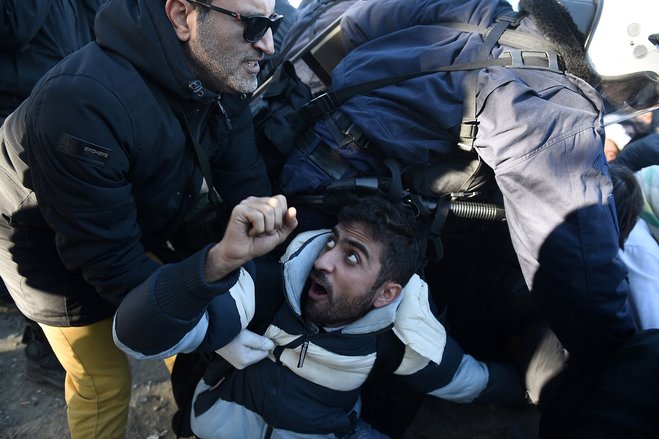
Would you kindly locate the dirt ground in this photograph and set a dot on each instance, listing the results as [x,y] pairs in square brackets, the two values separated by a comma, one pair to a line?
[35,411]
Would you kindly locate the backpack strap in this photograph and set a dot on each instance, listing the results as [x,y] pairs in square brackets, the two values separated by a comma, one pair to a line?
[388,405]
[535,53]
[510,37]
[187,371]
[201,156]
[389,354]
[326,103]
[469,126]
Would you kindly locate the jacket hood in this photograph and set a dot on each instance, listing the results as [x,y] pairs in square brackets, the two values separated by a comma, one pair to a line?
[140,31]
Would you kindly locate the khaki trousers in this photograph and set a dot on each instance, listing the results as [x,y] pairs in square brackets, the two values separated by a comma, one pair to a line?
[98,379]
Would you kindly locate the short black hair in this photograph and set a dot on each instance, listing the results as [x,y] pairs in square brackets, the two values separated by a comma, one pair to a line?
[394,226]
[628,197]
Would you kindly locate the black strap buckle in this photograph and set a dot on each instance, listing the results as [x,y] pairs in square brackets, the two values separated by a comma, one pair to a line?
[533,59]
[468,132]
[352,132]
[320,106]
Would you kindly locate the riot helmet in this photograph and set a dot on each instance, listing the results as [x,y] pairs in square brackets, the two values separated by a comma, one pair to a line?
[622,48]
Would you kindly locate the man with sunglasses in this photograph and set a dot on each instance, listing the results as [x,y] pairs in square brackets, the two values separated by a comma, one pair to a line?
[100,170]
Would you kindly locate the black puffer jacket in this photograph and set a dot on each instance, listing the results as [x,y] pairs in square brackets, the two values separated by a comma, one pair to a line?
[96,170]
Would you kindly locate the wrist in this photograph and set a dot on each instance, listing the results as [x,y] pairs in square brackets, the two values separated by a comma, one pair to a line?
[218,265]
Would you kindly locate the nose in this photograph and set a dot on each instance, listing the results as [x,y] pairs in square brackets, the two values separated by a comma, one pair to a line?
[325,262]
[267,43]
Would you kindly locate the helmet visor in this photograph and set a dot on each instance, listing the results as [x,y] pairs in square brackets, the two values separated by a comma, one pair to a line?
[627,95]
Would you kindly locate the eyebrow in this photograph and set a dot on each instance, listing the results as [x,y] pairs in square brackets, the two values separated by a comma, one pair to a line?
[361,247]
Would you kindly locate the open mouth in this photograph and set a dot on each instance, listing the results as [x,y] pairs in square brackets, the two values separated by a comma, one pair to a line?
[316,290]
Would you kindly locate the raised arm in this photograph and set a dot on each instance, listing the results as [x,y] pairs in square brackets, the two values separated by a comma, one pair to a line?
[170,313]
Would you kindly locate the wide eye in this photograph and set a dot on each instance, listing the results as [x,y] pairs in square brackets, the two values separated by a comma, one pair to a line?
[353,258]
[330,243]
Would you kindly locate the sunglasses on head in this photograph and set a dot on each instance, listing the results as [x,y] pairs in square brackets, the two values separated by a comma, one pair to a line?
[255,26]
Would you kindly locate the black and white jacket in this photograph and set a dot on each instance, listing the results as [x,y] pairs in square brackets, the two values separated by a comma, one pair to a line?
[310,383]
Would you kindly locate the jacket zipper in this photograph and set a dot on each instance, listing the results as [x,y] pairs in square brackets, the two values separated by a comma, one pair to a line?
[227,120]
[198,89]
[313,330]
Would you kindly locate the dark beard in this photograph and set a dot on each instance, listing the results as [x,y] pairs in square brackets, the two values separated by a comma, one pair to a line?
[334,311]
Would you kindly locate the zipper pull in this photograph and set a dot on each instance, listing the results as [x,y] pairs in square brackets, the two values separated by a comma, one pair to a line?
[313,330]
[303,353]
[227,121]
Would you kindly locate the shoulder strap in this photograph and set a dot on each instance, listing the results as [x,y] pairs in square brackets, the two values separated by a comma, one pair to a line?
[389,405]
[389,355]
[330,101]
[510,37]
[541,54]
[469,127]
[202,159]
[188,370]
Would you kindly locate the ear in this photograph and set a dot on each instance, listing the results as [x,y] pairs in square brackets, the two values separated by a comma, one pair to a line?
[179,13]
[387,294]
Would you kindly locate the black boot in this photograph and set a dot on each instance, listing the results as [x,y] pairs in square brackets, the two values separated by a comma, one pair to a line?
[42,365]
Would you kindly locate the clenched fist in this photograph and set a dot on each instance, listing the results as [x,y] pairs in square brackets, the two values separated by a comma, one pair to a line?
[256,226]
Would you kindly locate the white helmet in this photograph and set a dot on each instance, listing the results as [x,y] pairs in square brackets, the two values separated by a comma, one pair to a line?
[622,47]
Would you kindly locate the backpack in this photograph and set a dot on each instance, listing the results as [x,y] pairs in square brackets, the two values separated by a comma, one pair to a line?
[283,126]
